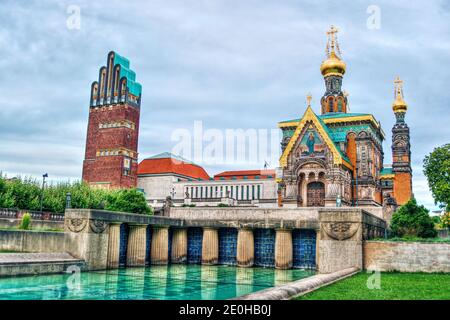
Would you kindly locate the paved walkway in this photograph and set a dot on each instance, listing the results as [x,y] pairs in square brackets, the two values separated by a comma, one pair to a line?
[16,258]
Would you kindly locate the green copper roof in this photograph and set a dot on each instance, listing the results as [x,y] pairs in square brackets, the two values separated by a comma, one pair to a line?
[134,87]
[386,171]
[331,136]
[332,115]
[168,155]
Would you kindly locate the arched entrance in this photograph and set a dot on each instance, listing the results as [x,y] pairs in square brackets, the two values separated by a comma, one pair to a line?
[316,194]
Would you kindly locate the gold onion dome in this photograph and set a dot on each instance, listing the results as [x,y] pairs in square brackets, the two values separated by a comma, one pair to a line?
[333,65]
[399,104]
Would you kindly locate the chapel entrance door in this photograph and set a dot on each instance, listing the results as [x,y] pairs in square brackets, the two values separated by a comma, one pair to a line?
[316,194]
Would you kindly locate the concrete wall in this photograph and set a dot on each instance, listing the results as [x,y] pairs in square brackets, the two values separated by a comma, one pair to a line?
[237,213]
[156,187]
[406,256]
[35,224]
[32,241]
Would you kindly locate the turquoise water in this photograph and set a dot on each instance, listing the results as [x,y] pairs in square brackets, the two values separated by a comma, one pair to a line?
[175,282]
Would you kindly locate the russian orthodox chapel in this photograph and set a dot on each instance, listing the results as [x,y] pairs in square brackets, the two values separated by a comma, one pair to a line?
[336,158]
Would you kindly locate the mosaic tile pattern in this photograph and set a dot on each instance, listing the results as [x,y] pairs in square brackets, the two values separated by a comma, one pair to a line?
[170,244]
[264,247]
[195,237]
[148,245]
[227,245]
[304,245]
[124,230]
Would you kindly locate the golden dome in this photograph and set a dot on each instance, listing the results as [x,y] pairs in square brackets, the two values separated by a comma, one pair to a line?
[333,66]
[399,104]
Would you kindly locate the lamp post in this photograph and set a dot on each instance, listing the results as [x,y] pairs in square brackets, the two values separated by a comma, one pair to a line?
[45,175]
[68,201]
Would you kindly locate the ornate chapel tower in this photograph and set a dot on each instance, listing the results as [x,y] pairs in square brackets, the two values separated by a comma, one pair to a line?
[113,128]
[401,148]
[333,69]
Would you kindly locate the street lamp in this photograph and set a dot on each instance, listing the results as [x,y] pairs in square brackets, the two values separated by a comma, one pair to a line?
[45,175]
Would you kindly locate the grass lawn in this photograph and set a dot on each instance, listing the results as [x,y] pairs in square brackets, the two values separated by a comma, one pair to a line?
[394,286]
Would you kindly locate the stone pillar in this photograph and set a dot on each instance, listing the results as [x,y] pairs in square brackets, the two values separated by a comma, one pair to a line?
[179,246]
[210,246]
[136,246]
[245,248]
[113,246]
[160,246]
[283,249]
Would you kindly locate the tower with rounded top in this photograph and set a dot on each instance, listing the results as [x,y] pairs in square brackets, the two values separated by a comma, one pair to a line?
[401,147]
[113,129]
[333,69]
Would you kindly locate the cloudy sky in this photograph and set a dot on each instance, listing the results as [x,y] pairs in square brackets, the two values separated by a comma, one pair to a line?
[229,63]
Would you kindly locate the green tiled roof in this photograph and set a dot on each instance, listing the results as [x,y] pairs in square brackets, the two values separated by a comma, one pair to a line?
[386,171]
[330,134]
[332,115]
[134,87]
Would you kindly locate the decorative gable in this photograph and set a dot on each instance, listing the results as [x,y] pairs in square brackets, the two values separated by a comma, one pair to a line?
[313,138]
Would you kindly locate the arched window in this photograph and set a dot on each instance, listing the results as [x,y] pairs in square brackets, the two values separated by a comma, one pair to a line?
[340,105]
[330,105]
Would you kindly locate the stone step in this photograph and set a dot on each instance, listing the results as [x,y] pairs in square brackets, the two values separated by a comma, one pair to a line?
[21,264]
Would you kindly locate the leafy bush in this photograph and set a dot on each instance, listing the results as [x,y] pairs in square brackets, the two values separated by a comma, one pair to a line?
[25,194]
[412,220]
[222,205]
[128,200]
[25,224]
[445,221]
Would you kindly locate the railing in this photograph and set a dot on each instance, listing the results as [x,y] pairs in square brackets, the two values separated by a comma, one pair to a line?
[206,199]
[35,215]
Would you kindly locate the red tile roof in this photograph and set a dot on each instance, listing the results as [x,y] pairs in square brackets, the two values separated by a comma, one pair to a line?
[174,166]
[249,174]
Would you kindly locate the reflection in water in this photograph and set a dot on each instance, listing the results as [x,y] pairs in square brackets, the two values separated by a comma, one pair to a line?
[244,277]
[188,282]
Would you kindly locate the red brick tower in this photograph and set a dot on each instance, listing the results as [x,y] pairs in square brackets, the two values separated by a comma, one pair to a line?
[113,128]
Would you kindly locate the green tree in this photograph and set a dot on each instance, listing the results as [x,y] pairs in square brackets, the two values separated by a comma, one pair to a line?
[437,171]
[412,220]
[128,200]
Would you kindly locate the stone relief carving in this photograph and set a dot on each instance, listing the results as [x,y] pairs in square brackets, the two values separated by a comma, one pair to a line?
[76,225]
[341,230]
[98,226]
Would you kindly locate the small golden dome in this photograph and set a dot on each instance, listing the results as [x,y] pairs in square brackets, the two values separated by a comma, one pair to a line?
[399,104]
[333,66]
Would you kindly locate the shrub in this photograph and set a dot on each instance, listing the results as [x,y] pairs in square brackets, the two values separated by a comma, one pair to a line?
[25,224]
[222,205]
[445,221]
[412,220]
[128,200]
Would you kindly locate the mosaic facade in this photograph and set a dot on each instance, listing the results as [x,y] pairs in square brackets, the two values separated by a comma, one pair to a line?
[264,247]
[304,249]
[124,230]
[195,238]
[227,245]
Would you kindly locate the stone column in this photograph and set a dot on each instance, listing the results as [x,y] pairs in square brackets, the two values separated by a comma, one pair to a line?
[210,246]
[160,246]
[245,248]
[283,249]
[136,246]
[113,246]
[179,246]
